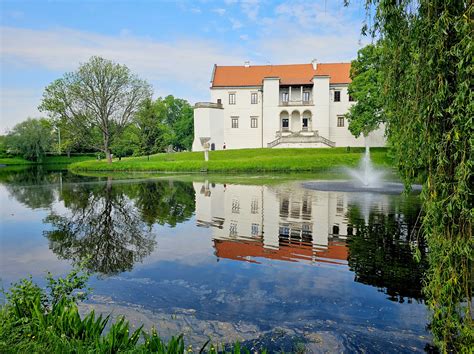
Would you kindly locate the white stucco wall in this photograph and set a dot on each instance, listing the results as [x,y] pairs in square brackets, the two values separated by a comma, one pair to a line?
[321,105]
[217,123]
[244,136]
[341,135]
[271,109]
[208,122]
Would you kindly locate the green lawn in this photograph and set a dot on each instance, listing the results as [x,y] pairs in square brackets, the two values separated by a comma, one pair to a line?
[49,160]
[245,160]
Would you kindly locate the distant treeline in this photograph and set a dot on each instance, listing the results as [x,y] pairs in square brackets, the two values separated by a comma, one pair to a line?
[159,125]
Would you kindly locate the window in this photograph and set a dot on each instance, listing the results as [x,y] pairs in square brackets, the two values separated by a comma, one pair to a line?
[350,231]
[231,98]
[235,122]
[295,210]
[351,99]
[306,96]
[285,123]
[337,96]
[235,206]
[233,229]
[284,207]
[284,230]
[253,98]
[340,205]
[254,206]
[253,122]
[285,96]
[306,209]
[340,121]
[254,229]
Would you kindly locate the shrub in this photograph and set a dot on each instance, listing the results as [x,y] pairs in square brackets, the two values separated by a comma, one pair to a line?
[48,320]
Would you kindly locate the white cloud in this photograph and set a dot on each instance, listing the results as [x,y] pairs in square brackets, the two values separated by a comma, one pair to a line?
[236,24]
[295,32]
[302,48]
[181,65]
[17,105]
[250,8]
[315,16]
[300,31]
[63,49]
[219,11]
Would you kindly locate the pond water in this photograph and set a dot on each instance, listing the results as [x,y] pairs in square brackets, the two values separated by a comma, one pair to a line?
[273,264]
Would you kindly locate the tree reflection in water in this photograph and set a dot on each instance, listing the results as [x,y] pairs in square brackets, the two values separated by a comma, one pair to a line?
[112,223]
[380,253]
[30,186]
[164,202]
[104,225]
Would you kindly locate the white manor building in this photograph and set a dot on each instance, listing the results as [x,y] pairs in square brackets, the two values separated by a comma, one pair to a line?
[300,105]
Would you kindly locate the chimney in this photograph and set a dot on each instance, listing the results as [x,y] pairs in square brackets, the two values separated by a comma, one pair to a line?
[247,64]
[314,62]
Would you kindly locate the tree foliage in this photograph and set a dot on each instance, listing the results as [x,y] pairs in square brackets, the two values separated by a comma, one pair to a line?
[149,129]
[366,89]
[30,139]
[427,62]
[167,121]
[178,116]
[98,101]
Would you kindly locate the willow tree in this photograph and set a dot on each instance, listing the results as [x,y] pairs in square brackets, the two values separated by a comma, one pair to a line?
[427,63]
[97,100]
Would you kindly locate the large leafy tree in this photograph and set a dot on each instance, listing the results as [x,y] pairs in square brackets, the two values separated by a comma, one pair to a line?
[178,117]
[97,101]
[366,89]
[30,139]
[149,128]
[161,123]
[427,63]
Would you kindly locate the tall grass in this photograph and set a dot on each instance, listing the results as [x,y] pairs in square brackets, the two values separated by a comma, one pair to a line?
[48,321]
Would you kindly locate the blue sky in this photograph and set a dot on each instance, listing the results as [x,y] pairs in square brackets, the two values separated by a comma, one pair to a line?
[171,44]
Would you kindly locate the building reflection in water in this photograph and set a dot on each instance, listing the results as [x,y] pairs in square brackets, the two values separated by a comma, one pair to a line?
[277,222]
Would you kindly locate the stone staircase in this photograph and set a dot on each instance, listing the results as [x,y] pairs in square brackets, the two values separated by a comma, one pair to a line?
[297,138]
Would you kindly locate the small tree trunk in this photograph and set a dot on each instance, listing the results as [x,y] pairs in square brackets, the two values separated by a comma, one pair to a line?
[108,156]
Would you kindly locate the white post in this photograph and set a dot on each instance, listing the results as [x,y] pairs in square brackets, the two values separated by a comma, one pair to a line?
[289,95]
[301,94]
[205,146]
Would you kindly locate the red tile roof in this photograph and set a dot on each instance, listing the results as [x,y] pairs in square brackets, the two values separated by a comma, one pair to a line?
[295,74]
[250,251]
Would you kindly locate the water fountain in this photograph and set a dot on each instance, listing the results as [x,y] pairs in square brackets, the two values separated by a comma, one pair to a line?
[364,178]
[366,175]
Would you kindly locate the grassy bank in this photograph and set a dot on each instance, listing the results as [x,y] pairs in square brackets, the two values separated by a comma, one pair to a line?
[48,160]
[245,160]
